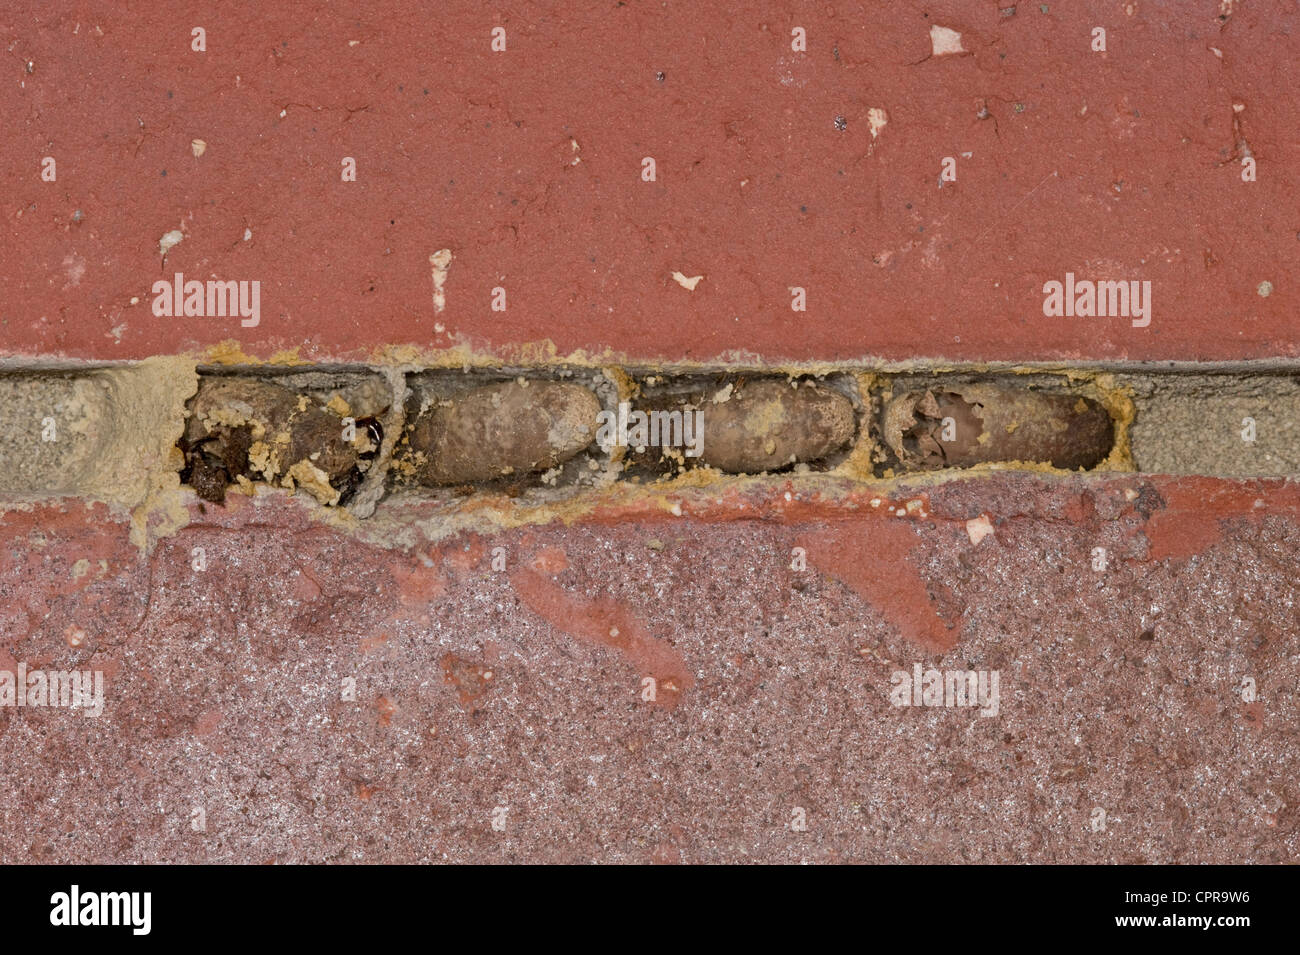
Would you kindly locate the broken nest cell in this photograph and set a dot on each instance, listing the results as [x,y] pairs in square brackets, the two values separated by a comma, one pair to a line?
[959,425]
[315,432]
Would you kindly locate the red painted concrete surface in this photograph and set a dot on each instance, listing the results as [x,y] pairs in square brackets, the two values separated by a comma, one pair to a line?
[526,164]
[517,697]
[522,689]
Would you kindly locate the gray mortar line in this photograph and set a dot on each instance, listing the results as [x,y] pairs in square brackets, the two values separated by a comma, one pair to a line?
[1173,431]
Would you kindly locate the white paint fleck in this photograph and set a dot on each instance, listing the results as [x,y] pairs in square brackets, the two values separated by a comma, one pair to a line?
[248,234]
[876,119]
[944,41]
[440,262]
[978,528]
[198,147]
[687,283]
[170,240]
[74,267]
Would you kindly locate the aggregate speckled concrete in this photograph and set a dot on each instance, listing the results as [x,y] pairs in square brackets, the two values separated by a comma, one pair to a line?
[716,682]
[518,696]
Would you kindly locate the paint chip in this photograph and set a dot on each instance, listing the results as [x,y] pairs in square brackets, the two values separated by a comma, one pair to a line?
[978,528]
[169,241]
[944,41]
[440,262]
[687,283]
[198,147]
[876,119]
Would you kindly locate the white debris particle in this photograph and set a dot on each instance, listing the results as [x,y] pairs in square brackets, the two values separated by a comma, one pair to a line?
[248,234]
[75,267]
[944,41]
[876,119]
[169,241]
[687,283]
[978,528]
[440,262]
[198,147]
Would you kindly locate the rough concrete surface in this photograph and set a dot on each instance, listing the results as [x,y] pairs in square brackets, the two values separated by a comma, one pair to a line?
[719,669]
[522,689]
[1243,425]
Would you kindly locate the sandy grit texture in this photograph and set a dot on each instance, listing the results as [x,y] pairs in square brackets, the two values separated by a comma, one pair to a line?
[503,715]
[713,676]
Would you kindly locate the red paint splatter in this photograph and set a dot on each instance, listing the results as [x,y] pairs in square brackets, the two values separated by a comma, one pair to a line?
[418,585]
[871,558]
[386,708]
[471,679]
[605,622]
[1190,521]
